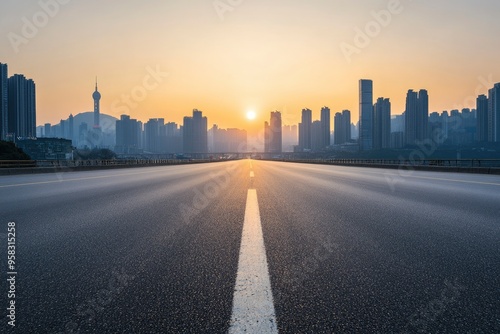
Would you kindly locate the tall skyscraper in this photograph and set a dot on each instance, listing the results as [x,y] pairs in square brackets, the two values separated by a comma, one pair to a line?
[342,127]
[423,115]
[346,115]
[4,113]
[71,129]
[482,118]
[317,139]
[325,127]
[127,135]
[365,114]
[195,136]
[290,137]
[494,114]
[273,134]
[97,113]
[21,107]
[382,124]
[305,130]
[46,130]
[153,139]
[416,117]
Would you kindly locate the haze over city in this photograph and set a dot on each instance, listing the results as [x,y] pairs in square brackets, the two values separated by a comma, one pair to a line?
[228,59]
[249,166]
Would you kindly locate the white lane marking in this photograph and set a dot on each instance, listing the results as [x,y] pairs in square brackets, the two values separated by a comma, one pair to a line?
[252,174]
[253,306]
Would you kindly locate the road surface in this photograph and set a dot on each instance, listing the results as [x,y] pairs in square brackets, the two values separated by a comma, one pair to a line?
[251,245]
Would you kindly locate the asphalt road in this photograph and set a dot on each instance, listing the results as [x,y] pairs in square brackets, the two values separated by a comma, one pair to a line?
[347,250]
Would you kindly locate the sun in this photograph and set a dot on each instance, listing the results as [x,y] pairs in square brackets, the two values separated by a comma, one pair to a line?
[251,115]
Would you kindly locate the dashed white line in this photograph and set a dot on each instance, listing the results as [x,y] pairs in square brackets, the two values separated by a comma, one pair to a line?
[252,174]
[253,306]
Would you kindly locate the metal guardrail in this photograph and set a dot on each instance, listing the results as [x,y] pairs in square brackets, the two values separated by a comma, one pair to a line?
[465,163]
[17,163]
[462,163]
[97,163]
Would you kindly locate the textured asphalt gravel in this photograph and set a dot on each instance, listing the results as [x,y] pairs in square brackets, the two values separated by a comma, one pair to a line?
[350,250]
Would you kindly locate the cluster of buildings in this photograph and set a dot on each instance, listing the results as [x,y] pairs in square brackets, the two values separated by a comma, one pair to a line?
[378,129]
[192,137]
[17,106]
[128,136]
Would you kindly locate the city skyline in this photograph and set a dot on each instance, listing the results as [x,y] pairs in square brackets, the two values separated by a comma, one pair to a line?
[226,63]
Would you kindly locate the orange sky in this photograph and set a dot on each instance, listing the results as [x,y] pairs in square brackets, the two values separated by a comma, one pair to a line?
[259,55]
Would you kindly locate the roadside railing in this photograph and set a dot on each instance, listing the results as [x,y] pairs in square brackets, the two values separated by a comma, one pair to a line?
[17,163]
[98,163]
[462,163]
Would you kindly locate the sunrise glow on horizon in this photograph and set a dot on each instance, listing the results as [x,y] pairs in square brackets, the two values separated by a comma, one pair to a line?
[165,58]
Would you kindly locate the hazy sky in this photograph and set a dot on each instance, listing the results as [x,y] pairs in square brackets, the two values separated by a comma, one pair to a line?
[226,57]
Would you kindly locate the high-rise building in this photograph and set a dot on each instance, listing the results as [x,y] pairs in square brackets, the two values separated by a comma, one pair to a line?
[273,138]
[482,118]
[290,137]
[154,137]
[228,140]
[416,117]
[64,129]
[365,114]
[411,111]
[195,136]
[71,129]
[83,134]
[305,130]
[342,127]
[346,116]
[127,135]
[97,113]
[423,115]
[47,132]
[325,127]
[4,112]
[494,114]
[317,139]
[382,124]
[21,107]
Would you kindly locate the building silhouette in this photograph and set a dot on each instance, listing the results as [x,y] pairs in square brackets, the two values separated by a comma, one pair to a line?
[128,134]
[416,117]
[494,114]
[97,113]
[325,127]
[365,115]
[71,129]
[317,138]
[46,130]
[382,124]
[273,137]
[4,112]
[195,137]
[290,137]
[227,140]
[154,135]
[342,127]
[305,130]
[482,118]
[21,107]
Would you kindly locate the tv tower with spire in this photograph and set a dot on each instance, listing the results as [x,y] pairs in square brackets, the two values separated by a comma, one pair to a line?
[97,97]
